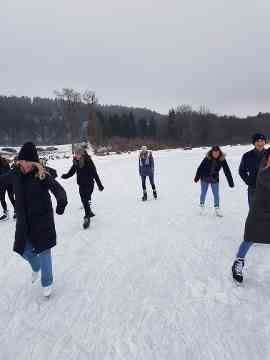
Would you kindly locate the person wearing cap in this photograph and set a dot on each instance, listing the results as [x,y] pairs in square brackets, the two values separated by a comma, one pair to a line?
[86,172]
[35,234]
[250,164]
[257,226]
[5,168]
[208,174]
[146,169]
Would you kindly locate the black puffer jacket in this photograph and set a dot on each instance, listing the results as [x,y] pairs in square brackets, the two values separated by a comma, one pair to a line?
[35,220]
[249,166]
[209,170]
[86,173]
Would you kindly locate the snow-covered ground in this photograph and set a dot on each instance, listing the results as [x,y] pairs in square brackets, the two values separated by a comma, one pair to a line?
[148,280]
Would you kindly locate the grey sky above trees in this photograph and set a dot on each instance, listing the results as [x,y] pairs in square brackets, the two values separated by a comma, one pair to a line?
[147,53]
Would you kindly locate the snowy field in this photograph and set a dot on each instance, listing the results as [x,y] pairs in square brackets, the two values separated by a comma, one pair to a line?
[147,281]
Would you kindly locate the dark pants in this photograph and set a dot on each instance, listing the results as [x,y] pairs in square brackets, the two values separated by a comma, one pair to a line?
[251,192]
[151,178]
[9,190]
[86,194]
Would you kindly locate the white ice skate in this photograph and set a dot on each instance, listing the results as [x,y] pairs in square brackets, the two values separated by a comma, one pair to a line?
[218,212]
[35,276]
[202,209]
[47,291]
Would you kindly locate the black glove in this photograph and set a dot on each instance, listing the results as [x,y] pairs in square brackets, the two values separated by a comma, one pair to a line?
[101,188]
[60,208]
[196,180]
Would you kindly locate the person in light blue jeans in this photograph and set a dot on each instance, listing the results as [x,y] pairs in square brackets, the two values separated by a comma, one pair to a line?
[39,262]
[215,191]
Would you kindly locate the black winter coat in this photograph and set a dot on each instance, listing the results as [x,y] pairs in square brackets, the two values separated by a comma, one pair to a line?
[209,170]
[35,220]
[250,165]
[86,174]
[257,227]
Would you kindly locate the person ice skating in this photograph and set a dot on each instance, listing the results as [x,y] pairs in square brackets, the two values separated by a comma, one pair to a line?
[208,174]
[86,172]
[146,169]
[257,226]
[250,164]
[6,188]
[35,230]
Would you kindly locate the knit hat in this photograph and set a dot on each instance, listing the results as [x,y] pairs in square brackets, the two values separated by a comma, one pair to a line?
[28,152]
[257,137]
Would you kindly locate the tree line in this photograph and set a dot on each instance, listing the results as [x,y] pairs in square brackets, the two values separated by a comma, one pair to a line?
[73,117]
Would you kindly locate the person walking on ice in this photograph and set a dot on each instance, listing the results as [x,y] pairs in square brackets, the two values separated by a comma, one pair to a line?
[257,226]
[208,174]
[146,169]
[35,229]
[250,164]
[86,172]
[5,168]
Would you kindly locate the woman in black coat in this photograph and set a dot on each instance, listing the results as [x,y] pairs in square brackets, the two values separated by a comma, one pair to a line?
[35,229]
[208,173]
[86,172]
[5,168]
[257,227]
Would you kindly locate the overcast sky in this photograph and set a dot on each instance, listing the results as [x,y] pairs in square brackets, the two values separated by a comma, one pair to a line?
[147,53]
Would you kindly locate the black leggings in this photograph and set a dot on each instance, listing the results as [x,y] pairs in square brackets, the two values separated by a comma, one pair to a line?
[86,194]
[151,179]
[9,190]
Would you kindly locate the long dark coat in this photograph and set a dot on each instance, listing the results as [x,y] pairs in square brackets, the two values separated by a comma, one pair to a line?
[257,227]
[250,165]
[35,220]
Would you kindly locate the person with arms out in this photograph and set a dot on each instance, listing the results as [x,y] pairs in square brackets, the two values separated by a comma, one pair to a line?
[208,174]
[86,172]
[250,164]
[35,229]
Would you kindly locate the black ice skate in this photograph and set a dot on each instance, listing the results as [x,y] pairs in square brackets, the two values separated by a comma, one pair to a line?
[144,198]
[155,194]
[4,217]
[86,222]
[237,270]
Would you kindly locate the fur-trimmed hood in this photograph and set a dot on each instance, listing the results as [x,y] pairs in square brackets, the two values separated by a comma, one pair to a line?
[221,158]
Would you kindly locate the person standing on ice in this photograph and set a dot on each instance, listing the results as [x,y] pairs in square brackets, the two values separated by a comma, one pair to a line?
[208,174]
[257,226]
[5,168]
[35,229]
[250,164]
[146,169]
[86,172]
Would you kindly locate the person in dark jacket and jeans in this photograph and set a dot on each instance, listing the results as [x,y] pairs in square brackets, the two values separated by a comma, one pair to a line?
[5,168]
[208,173]
[257,227]
[250,164]
[146,169]
[35,229]
[86,172]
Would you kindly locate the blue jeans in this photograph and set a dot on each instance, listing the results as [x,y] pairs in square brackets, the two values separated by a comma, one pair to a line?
[215,191]
[243,249]
[151,178]
[42,261]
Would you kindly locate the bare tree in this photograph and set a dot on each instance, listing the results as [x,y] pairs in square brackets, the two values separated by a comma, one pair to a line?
[94,128]
[70,101]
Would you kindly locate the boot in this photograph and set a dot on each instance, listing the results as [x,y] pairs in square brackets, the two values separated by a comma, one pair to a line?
[155,194]
[86,222]
[237,270]
[91,214]
[4,217]
[144,198]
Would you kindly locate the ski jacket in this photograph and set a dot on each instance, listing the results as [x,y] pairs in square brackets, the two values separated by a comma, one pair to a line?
[146,163]
[35,220]
[209,169]
[257,225]
[249,167]
[86,172]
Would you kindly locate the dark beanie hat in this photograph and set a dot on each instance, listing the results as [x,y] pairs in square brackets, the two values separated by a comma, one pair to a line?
[257,137]
[28,152]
